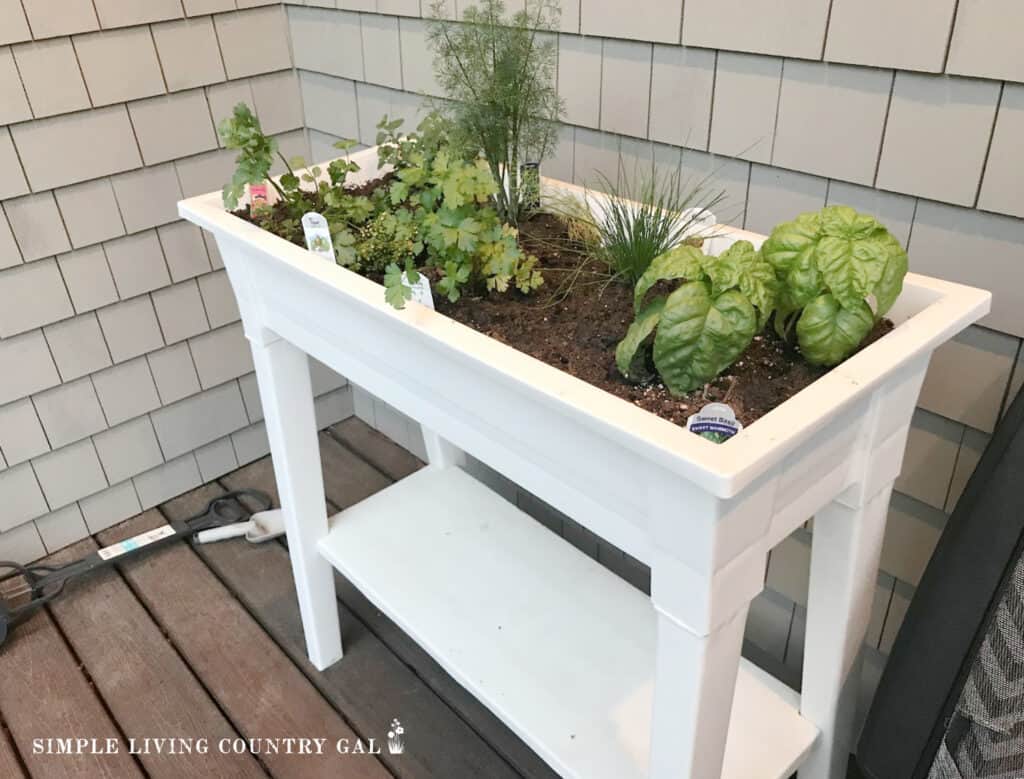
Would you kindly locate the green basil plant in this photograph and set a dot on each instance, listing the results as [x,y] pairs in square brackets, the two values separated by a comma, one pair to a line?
[839,272]
[829,275]
[705,324]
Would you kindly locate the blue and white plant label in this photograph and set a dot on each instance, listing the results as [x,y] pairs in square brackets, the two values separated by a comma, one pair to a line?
[716,421]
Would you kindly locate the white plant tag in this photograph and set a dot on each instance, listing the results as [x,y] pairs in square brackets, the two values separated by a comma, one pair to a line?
[716,422]
[700,220]
[318,235]
[420,290]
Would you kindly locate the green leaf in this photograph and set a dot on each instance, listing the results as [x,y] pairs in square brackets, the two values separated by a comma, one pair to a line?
[742,267]
[682,262]
[700,335]
[642,327]
[790,241]
[725,270]
[759,285]
[828,333]
[396,293]
[890,285]
[840,252]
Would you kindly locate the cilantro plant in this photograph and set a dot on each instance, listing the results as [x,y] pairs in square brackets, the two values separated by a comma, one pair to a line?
[256,154]
[499,75]
[698,330]
[840,272]
[317,189]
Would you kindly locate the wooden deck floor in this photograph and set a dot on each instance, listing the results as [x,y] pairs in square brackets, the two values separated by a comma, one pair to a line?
[204,645]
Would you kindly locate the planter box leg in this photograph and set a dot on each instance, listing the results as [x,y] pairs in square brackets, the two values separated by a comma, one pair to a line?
[442,453]
[845,550]
[694,682]
[283,374]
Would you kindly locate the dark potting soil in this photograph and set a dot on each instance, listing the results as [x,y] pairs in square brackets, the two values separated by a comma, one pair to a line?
[578,332]
[576,327]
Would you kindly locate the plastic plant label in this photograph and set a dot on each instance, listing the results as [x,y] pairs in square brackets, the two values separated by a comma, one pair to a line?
[259,197]
[318,235]
[420,290]
[716,422]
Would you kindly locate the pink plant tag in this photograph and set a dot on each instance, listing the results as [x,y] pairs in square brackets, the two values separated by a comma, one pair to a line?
[259,197]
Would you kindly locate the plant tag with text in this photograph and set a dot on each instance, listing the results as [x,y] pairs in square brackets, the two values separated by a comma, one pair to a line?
[420,290]
[259,197]
[318,235]
[716,422]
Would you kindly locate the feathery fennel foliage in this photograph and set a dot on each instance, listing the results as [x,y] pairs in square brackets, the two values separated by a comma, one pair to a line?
[498,72]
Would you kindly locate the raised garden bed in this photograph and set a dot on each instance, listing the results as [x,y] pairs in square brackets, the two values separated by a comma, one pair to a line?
[703,515]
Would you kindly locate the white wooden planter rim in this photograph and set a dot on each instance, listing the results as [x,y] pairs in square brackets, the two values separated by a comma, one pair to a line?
[723,469]
[451,562]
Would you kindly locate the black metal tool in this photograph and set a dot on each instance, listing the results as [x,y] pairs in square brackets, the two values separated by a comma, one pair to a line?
[42,583]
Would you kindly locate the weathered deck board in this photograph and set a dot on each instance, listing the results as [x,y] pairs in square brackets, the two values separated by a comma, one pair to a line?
[148,688]
[9,765]
[44,694]
[376,448]
[259,688]
[346,481]
[369,684]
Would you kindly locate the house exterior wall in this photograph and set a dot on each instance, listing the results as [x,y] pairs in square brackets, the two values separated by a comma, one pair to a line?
[124,375]
[909,109]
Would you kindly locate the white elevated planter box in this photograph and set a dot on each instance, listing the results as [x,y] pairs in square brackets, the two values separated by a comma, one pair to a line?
[598,679]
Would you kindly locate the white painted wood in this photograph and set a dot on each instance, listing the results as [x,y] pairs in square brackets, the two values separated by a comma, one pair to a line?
[556,645]
[702,515]
[693,700]
[287,397]
[441,453]
[845,549]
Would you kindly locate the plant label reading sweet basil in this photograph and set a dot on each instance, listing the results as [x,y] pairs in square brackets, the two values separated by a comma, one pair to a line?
[318,235]
[716,421]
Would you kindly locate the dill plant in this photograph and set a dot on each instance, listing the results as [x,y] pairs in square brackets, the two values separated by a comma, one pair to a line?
[498,72]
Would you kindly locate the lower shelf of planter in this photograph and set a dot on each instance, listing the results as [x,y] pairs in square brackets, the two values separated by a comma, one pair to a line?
[559,648]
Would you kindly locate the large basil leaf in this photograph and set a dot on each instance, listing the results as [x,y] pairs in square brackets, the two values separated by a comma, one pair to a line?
[828,332]
[726,269]
[682,262]
[790,241]
[742,267]
[700,335]
[890,285]
[630,364]
[791,251]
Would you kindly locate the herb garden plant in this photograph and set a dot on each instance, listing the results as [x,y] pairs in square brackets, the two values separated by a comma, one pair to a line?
[450,205]
[576,350]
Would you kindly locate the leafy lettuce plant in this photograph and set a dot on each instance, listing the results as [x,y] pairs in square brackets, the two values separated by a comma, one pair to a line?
[705,324]
[839,273]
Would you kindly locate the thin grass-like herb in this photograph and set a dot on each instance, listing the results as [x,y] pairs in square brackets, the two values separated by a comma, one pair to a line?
[638,217]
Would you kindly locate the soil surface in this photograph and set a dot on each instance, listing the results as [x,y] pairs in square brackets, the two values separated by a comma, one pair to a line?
[575,321]
[578,330]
